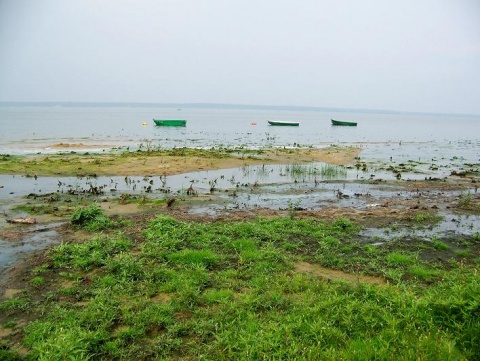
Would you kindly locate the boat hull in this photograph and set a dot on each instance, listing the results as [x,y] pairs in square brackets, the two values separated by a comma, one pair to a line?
[170,122]
[344,123]
[283,123]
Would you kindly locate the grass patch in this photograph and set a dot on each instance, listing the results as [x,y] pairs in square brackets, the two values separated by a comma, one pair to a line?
[427,218]
[93,218]
[397,258]
[439,245]
[231,290]
[422,272]
[37,281]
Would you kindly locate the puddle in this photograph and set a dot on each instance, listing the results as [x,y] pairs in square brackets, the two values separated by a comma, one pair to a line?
[31,239]
[315,196]
[416,161]
[450,225]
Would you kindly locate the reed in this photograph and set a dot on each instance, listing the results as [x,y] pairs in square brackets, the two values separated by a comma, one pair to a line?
[326,171]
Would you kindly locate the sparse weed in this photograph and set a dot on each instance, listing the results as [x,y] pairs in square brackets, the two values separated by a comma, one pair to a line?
[37,281]
[427,218]
[465,200]
[293,207]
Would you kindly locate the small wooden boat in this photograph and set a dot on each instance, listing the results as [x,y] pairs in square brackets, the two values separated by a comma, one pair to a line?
[341,122]
[170,122]
[283,123]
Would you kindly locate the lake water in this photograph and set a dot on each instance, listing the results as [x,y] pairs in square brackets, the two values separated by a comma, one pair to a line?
[432,145]
[35,129]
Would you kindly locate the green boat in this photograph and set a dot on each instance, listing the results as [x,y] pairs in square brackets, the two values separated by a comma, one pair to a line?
[170,122]
[341,122]
[283,123]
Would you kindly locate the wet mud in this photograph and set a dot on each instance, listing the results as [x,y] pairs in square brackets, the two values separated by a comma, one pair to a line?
[388,198]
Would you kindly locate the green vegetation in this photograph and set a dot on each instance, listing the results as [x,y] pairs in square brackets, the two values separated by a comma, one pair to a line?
[468,202]
[439,245]
[37,281]
[326,171]
[236,290]
[92,218]
[427,218]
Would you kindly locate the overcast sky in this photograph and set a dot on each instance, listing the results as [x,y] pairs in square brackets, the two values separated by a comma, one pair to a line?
[407,55]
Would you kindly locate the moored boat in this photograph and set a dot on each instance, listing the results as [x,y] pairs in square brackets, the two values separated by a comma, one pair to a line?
[283,123]
[342,122]
[170,122]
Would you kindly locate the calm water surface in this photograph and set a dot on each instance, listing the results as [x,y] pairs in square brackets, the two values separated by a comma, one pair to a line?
[35,129]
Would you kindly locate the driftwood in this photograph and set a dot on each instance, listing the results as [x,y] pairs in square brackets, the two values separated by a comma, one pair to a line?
[35,195]
[22,220]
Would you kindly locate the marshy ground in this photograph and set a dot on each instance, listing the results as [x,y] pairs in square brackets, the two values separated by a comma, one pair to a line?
[313,267]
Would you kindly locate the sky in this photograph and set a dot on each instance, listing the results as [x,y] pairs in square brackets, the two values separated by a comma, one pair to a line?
[404,55]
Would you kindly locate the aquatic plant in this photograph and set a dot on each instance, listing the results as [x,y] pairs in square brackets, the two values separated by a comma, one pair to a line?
[465,200]
[326,171]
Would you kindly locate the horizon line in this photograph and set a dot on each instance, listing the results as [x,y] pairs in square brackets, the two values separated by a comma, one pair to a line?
[224,105]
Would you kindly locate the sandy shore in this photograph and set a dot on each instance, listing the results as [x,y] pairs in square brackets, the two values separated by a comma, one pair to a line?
[169,162]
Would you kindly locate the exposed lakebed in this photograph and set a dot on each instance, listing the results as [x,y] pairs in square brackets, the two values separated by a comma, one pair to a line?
[393,184]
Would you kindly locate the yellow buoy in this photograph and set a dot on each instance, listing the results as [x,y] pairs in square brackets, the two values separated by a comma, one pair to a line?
[144,123]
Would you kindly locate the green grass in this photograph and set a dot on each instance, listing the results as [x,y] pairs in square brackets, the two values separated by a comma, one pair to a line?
[93,218]
[463,253]
[396,258]
[423,272]
[231,290]
[427,218]
[439,245]
[37,281]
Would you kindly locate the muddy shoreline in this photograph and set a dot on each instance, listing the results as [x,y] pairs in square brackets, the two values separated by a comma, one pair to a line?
[371,201]
[433,219]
